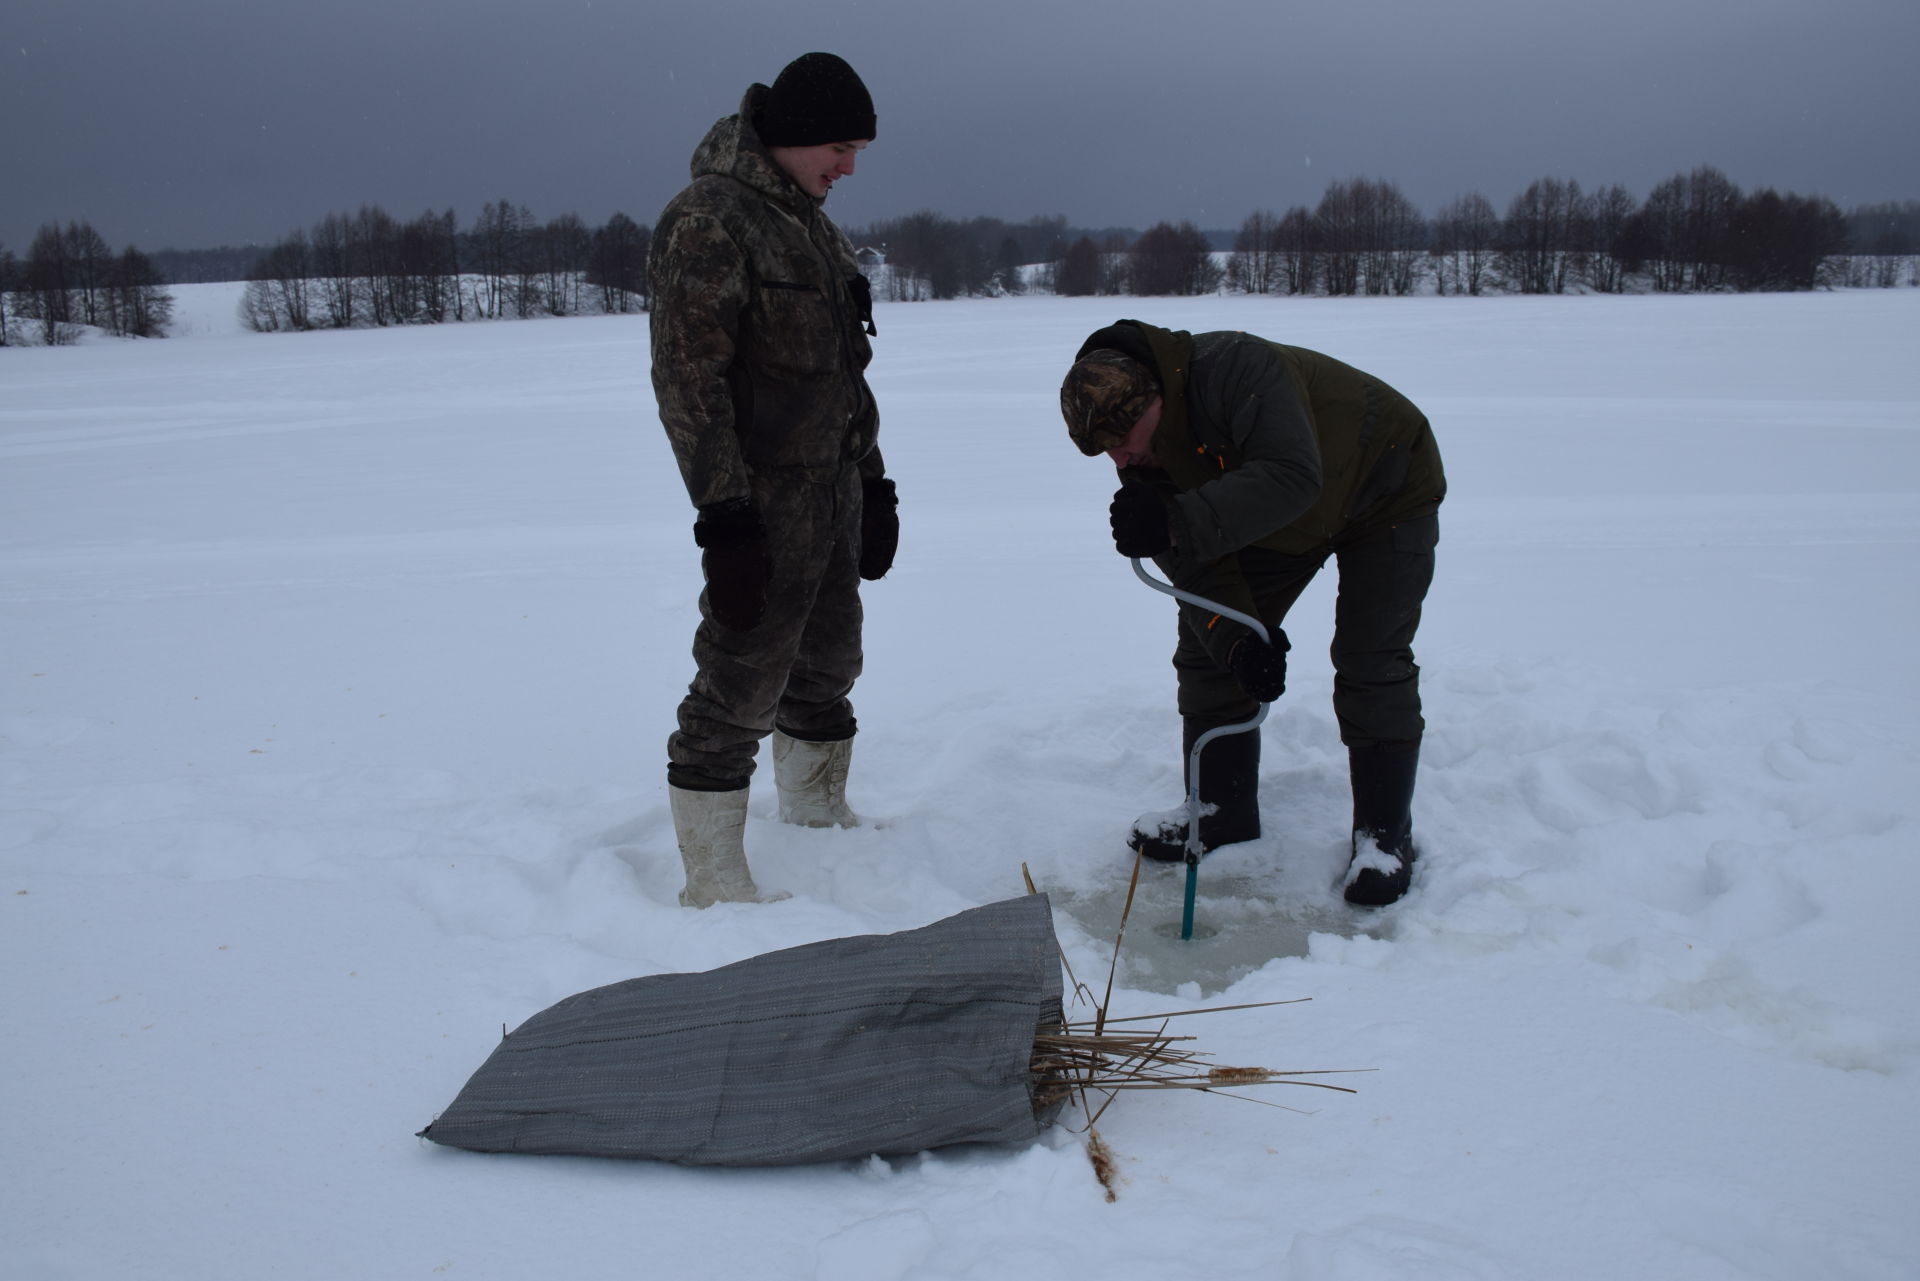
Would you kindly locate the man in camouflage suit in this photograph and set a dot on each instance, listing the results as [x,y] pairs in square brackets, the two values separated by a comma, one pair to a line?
[1245,464]
[760,327]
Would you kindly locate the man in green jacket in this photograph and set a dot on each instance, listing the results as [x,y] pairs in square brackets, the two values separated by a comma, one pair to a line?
[760,324]
[1244,465]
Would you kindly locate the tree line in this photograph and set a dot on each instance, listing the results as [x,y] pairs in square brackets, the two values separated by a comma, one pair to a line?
[70,278]
[369,269]
[1695,232]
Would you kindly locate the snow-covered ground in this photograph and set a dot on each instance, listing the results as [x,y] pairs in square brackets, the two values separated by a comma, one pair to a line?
[336,675]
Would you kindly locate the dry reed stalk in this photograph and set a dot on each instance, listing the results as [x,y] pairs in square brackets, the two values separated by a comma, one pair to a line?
[1105,1168]
[1075,1060]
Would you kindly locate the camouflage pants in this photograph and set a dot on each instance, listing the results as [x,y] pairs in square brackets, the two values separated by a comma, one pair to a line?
[1384,576]
[795,668]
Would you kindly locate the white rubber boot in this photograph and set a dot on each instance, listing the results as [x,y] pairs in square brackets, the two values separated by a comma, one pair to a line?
[812,780]
[709,827]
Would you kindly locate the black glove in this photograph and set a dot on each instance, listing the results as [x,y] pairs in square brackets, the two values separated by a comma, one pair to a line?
[1139,522]
[1260,668]
[734,546]
[879,527]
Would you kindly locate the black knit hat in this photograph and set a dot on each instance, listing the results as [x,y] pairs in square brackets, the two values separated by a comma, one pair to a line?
[817,99]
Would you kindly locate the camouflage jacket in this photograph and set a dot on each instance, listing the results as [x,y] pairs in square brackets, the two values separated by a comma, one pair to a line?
[759,350]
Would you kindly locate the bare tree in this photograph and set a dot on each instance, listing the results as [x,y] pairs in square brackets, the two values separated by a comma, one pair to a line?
[1115,269]
[1683,230]
[1398,242]
[9,282]
[978,258]
[372,252]
[89,264]
[280,287]
[1608,214]
[71,278]
[617,264]
[1537,239]
[1299,244]
[924,257]
[1008,261]
[526,290]
[1822,236]
[1079,273]
[561,249]
[1783,242]
[427,254]
[1370,237]
[331,246]
[1465,235]
[930,256]
[1254,265]
[1652,240]
[498,246]
[1342,221]
[138,302]
[45,293]
[1172,260]
[1711,200]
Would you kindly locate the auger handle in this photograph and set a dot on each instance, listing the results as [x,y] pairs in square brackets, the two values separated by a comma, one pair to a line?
[1193,764]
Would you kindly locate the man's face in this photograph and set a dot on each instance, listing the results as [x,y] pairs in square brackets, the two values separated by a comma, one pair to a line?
[1137,449]
[815,169]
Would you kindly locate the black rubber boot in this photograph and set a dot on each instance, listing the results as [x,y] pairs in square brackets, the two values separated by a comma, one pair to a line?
[1382,775]
[1229,782]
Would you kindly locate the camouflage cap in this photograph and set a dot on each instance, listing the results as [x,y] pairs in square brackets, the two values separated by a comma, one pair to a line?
[1103,396]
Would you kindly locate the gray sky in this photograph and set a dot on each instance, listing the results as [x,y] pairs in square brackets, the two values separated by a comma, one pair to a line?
[193,123]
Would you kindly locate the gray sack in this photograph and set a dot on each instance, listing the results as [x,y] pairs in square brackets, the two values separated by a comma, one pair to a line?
[881,1044]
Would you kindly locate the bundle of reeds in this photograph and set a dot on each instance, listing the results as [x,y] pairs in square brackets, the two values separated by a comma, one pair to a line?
[1074,1061]
[1079,1060]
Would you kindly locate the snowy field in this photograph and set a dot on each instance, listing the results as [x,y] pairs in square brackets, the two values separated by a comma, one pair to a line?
[337,671]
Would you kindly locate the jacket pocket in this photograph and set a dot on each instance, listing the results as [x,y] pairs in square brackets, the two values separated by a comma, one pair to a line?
[794,336]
